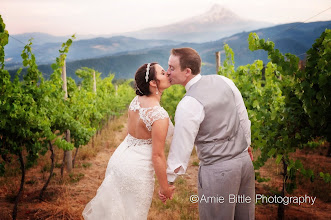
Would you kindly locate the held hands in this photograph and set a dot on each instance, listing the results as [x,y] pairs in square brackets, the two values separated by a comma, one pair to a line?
[165,194]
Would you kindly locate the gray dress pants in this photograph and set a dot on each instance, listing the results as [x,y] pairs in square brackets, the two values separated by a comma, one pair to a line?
[227,189]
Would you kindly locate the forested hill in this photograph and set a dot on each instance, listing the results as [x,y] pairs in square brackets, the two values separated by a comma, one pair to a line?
[295,38]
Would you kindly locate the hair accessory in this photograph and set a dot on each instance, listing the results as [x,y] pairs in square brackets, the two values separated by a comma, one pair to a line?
[140,90]
[147,71]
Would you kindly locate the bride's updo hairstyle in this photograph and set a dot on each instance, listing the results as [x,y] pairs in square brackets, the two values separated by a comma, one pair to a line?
[142,87]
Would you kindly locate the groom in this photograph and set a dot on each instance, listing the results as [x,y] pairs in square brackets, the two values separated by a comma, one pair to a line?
[212,116]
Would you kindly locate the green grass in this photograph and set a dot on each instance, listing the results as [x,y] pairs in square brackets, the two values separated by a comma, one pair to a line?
[87,165]
[195,163]
[74,178]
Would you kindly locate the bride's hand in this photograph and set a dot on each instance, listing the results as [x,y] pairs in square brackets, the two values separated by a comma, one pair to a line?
[162,197]
[167,193]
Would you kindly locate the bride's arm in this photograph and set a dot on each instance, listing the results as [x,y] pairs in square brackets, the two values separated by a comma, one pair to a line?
[159,133]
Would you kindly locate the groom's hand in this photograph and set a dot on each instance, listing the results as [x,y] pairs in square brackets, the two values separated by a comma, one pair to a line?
[250,152]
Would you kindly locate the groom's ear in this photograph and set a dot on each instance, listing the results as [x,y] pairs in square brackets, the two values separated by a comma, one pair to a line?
[188,72]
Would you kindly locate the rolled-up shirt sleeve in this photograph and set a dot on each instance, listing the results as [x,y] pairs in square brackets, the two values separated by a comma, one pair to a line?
[188,117]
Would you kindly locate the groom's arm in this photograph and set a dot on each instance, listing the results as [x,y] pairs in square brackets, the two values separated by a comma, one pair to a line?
[188,117]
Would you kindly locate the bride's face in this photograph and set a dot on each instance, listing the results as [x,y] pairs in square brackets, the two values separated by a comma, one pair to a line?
[162,77]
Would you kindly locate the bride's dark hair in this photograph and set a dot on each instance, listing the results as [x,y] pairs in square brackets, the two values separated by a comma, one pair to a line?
[142,87]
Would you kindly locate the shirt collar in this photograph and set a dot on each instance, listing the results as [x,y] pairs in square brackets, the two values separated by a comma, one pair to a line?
[192,81]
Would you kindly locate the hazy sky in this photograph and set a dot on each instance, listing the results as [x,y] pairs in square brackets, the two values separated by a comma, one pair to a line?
[66,17]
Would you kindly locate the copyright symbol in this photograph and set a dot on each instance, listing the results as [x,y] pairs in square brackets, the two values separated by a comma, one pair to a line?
[194,198]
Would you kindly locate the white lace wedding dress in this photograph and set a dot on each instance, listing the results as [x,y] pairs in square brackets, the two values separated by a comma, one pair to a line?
[127,190]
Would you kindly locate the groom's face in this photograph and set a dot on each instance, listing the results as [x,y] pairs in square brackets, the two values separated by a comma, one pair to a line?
[176,75]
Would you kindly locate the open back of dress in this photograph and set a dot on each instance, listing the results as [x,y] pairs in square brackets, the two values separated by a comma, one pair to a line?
[127,189]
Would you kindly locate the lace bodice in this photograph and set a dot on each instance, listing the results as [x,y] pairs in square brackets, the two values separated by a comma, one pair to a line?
[148,115]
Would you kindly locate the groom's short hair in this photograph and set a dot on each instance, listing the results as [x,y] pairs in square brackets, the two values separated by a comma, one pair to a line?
[188,58]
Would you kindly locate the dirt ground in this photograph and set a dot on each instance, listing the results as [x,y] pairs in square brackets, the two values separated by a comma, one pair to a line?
[66,198]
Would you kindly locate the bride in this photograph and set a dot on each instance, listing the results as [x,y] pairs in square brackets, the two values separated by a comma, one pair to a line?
[127,190]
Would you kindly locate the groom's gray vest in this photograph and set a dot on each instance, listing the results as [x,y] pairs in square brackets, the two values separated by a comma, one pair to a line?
[220,136]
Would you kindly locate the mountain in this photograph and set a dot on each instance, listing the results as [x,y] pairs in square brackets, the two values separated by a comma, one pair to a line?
[295,38]
[38,38]
[216,23]
[81,49]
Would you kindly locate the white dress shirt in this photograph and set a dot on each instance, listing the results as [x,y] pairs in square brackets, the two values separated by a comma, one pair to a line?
[188,117]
